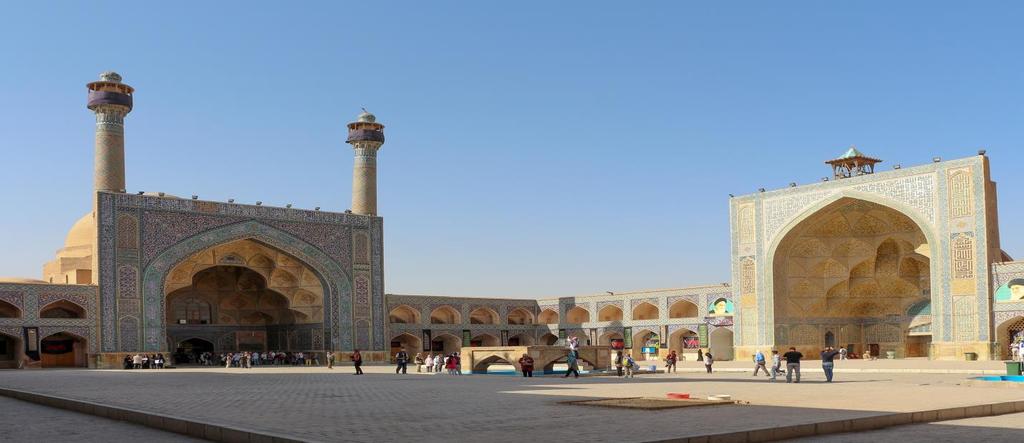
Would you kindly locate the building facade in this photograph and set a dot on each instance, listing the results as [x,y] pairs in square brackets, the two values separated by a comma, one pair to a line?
[905,261]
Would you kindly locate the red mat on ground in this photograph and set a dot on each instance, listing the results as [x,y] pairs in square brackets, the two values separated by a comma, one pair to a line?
[677,395]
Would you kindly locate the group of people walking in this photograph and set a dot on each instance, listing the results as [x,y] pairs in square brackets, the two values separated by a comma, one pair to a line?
[792,358]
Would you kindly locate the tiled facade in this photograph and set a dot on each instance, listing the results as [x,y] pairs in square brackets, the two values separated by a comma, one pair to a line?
[953,203]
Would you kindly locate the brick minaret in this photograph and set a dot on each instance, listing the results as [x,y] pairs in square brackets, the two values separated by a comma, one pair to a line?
[366,136]
[111,101]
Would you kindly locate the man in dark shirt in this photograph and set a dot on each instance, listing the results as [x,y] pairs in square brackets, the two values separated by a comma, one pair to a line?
[827,363]
[792,364]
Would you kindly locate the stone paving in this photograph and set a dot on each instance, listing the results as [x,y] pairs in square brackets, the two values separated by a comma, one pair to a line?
[23,422]
[321,405]
[1001,428]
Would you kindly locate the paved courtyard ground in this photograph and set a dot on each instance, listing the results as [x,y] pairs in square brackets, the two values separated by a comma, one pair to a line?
[317,404]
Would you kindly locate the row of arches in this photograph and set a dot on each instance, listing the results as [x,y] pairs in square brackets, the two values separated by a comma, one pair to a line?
[61,349]
[681,340]
[447,315]
[57,309]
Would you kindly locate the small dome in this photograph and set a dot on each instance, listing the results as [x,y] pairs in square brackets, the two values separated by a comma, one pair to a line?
[21,280]
[82,233]
[366,117]
[110,76]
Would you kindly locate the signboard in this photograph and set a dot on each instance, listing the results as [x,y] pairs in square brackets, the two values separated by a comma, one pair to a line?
[627,333]
[649,350]
[702,334]
[504,338]
[618,344]
[467,338]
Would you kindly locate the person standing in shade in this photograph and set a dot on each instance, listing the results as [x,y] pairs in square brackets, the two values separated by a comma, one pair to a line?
[760,363]
[526,364]
[828,362]
[700,354]
[792,364]
[357,361]
[708,360]
[402,358]
[776,365]
[574,367]
[618,363]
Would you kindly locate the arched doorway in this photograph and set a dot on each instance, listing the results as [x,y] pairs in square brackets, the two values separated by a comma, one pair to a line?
[606,338]
[721,344]
[645,311]
[548,317]
[445,343]
[410,343]
[645,338]
[63,350]
[494,364]
[404,315]
[577,315]
[8,310]
[548,339]
[10,351]
[249,295]
[62,309]
[610,313]
[521,339]
[853,263]
[1009,333]
[483,316]
[520,316]
[683,309]
[684,342]
[485,340]
[188,351]
[445,315]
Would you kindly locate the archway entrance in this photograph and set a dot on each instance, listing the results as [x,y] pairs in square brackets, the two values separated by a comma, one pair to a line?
[645,339]
[721,344]
[445,343]
[684,342]
[63,350]
[249,296]
[188,351]
[548,339]
[521,339]
[409,342]
[851,269]
[1009,333]
[494,363]
[10,352]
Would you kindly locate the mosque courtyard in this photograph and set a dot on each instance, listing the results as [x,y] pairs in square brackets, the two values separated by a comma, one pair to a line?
[317,404]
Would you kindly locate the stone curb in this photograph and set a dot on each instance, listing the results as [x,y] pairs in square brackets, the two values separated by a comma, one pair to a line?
[853,424]
[178,425]
[818,369]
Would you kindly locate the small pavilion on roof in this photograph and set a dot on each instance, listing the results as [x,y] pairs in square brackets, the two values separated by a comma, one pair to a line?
[852,163]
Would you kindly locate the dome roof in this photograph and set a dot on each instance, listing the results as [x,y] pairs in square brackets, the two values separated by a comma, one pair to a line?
[82,233]
[21,280]
[366,117]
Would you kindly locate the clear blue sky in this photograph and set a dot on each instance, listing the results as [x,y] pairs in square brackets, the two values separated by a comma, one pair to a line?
[542,149]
